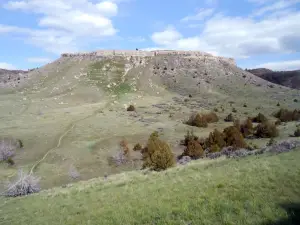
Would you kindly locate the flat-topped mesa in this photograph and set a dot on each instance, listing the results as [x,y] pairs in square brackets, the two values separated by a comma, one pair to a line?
[140,53]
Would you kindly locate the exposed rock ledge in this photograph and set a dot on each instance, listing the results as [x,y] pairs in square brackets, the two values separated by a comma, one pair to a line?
[138,53]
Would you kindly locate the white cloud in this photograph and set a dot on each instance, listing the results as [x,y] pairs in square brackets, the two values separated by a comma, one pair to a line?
[166,37]
[201,15]
[280,66]
[239,37]
[7,66]
[38,60]
[64,24]
[275,6]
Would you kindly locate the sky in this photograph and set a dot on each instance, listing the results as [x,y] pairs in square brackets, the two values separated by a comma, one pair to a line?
[257,33]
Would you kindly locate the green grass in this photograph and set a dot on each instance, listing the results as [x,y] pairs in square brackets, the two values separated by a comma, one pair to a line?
[108,72]
[246,191]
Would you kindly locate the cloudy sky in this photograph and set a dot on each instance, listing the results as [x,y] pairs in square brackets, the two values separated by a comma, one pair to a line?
[257,33]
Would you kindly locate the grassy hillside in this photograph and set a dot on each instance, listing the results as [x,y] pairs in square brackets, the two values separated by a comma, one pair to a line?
[72,112]
[260,190]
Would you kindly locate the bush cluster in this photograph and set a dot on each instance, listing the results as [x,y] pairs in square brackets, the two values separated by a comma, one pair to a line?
[229,118]
[266,130]
[157,155]
[286,115]
[25,184]
[247,128]
[194,150]
[260,118]
[202,120]
[297,132]
[131,108]
[137,147]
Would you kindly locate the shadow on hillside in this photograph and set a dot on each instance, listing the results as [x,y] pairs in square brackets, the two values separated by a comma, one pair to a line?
[293,211]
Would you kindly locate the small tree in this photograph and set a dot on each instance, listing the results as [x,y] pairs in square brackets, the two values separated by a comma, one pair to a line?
[247,128]
[193,150]
[215,138]
[157,155]
[137,147]
[234,138]
[131,108]
[297,132]
[260,118]
[229,118]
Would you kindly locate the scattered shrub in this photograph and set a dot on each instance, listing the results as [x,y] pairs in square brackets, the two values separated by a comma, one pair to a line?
[202,120]
[197,120]
[260,118]
[189,137]
[215,138]
[157,155]
[234,138]
[229,118]
[234,110]
[193,150]
[10,161]
[286,116]
[211,117]
[278,104]
[271,142]
[297,132]
[131,108]
[295,100]
[245,105]
[124,147]
[216,109]
[7,149]
[24,185]
[73,172]
[214,148]
[266,130]
[190,96]
[247,128]
[137,147]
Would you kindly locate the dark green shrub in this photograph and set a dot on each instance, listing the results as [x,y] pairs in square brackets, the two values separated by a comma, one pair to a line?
[295,100]
[266,130]
[131,108]
[10,161]
[189,137]
[260,118]
[229,118]
[286,116]
[278,104]
[137,147]
[234,138]
[271,142]
[297,132]
[215,138]
[245,105]
[234,110]
[157,155]
[247,128]
[193,150]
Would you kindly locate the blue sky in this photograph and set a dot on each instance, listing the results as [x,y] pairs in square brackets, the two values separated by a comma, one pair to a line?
[257,33]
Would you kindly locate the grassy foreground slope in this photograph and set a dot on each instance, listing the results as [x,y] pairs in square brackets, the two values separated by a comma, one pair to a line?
[253,190]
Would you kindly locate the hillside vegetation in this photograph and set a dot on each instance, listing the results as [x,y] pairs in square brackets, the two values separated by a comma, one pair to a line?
[71,114]
[260,190]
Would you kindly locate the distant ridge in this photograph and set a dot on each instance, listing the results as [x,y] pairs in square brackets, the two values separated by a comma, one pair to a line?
[286,78]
